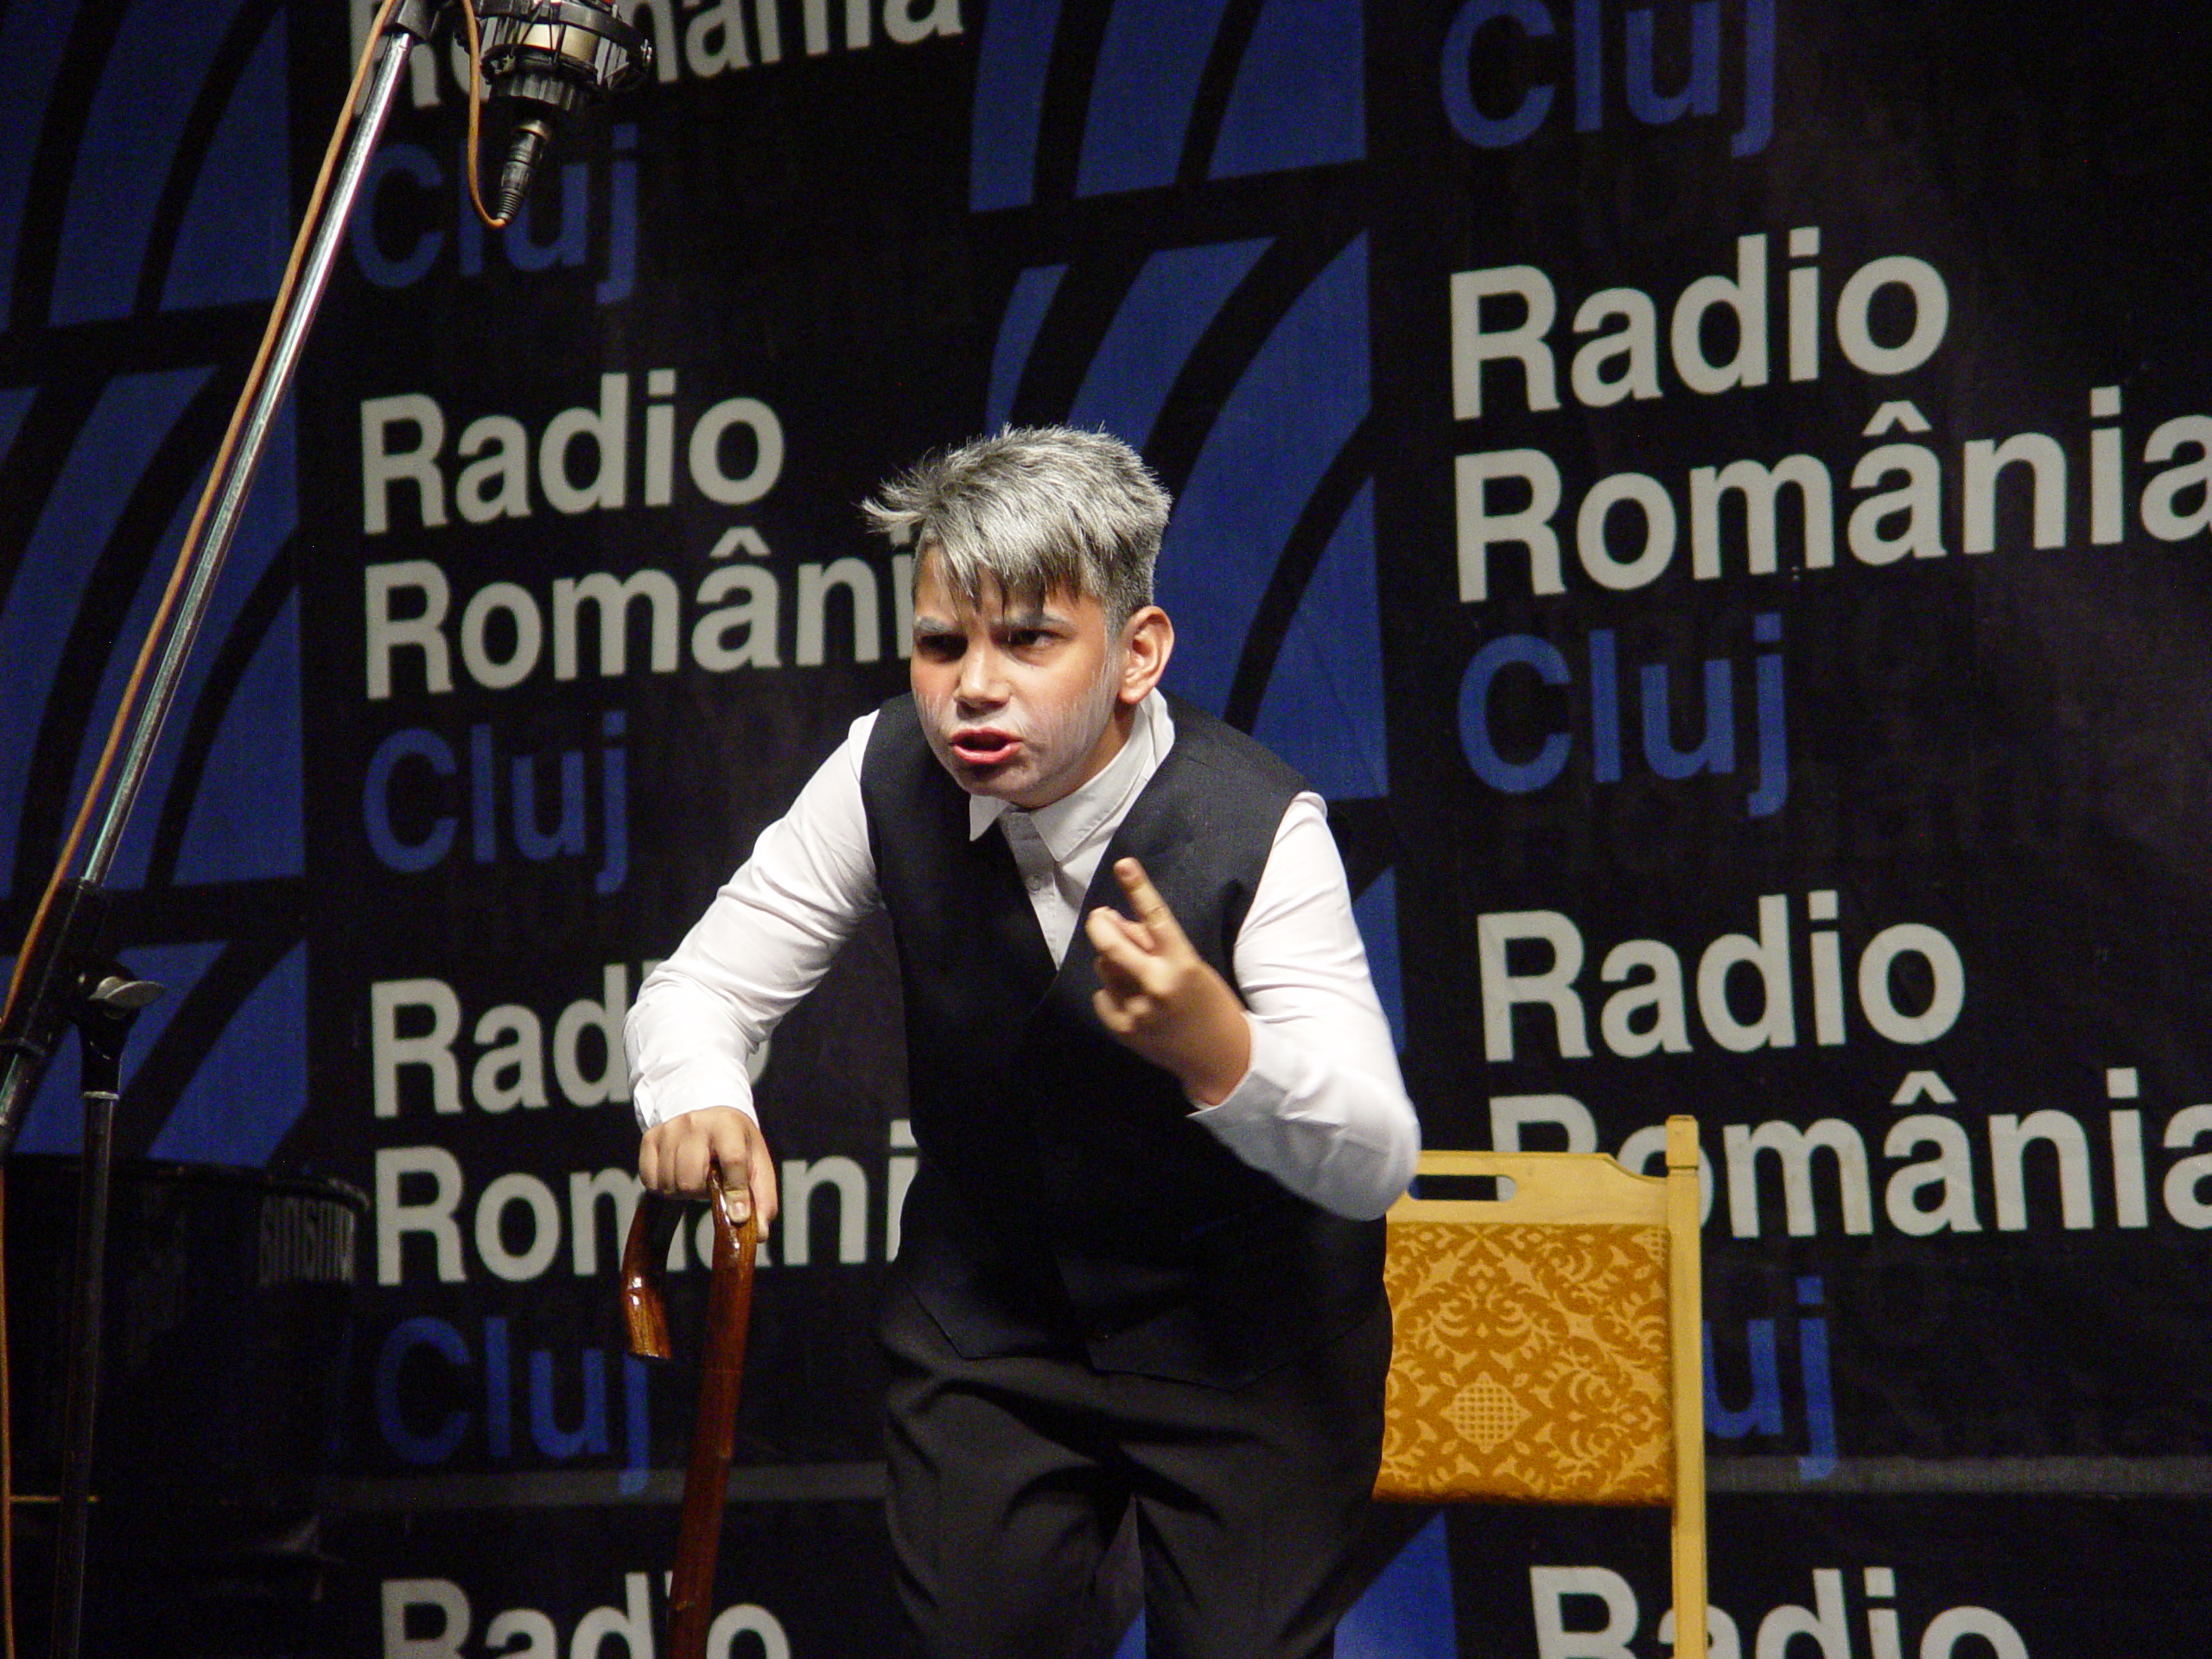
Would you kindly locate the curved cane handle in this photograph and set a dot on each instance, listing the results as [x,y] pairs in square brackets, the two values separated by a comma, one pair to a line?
[729,1308]
[645,1316]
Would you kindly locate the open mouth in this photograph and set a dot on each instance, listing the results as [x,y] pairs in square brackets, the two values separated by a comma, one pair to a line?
[984,747]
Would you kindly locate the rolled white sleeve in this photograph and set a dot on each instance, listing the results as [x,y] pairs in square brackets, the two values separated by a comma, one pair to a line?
[1321,1106]
[764,941]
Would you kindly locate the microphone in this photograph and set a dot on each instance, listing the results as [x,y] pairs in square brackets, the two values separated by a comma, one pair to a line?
[552,56]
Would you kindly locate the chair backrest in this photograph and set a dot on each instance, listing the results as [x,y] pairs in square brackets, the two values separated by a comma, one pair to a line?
[1548,1342]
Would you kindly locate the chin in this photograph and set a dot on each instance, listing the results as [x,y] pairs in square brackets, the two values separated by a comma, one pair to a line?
[1012,790]
[1003,786]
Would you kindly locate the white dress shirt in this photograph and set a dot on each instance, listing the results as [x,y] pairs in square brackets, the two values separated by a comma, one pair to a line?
[1321,1106]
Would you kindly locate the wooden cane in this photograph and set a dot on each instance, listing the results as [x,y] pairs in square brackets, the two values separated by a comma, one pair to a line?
[729,1307]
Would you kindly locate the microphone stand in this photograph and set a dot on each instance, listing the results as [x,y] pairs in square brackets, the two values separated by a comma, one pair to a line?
[68,980]
[70,945]
[104,1015]
[552,55]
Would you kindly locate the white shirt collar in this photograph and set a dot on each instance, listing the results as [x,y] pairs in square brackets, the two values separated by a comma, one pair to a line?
[1073,819]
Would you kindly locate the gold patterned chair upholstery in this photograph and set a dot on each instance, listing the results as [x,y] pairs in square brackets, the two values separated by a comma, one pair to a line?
[1548,1344]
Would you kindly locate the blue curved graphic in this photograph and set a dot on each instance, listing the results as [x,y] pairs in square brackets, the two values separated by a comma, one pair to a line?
[1025,315]
[1300,98]
[15,403]
[31,39]
[239,204]
[245,1097]
[55,1121]
[252,1086]
[124,123]
[1376,911]
[131,140]
[1323,711]
[1406,1614]
[246,818]
[1140,99]
[1012,63]
[269,516]
[1176,295]
[134,414]
[1292,413]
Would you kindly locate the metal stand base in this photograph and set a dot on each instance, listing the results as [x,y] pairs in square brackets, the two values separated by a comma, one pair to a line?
[103,1014]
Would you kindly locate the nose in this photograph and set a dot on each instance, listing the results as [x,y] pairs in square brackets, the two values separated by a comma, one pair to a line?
[982,683]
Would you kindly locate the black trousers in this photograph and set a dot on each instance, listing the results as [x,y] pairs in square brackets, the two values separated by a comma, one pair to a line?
[1010,1478]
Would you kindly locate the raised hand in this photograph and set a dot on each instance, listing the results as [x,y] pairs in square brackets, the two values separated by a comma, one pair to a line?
[1160,998]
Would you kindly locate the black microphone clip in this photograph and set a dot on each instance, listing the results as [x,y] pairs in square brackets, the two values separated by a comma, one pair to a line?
[552,56]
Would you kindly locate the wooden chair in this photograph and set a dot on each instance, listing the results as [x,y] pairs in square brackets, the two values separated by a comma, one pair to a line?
[1549,1343]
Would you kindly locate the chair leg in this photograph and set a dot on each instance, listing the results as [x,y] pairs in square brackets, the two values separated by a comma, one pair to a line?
[1686,1319]
[1689,1580]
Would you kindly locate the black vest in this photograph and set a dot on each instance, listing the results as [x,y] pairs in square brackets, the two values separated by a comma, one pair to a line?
[1065,1196]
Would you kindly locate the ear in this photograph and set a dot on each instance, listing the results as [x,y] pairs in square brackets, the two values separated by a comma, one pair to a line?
[1147,641]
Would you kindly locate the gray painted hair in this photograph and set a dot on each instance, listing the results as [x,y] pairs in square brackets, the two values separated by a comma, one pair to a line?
[1036,510]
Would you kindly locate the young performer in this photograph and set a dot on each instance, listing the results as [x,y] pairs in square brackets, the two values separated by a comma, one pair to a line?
[1141,1266]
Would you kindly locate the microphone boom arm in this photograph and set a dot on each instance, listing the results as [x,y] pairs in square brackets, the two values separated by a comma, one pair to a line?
[72,939]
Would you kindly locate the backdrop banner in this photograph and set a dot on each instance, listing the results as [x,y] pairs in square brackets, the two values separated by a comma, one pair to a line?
[1714,493]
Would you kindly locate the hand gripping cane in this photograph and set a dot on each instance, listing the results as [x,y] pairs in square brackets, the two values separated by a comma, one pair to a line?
[729,1307]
